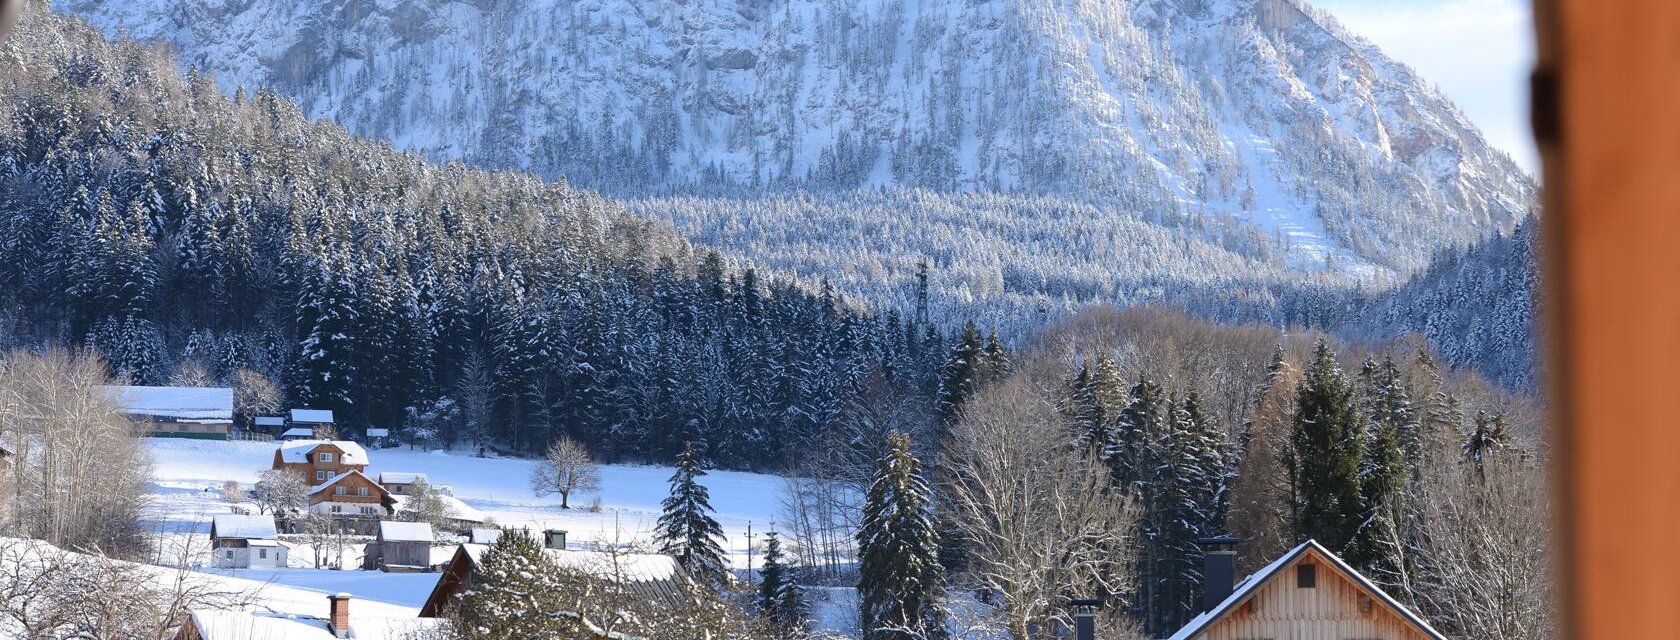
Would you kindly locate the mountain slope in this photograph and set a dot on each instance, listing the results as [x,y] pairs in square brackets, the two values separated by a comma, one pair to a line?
[1261,111]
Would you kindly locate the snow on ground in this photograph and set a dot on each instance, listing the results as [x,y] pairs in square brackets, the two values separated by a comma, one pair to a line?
[188,476]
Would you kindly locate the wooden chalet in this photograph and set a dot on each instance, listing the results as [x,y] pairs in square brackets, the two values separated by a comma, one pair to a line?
[351,493]
[320,460]
[1308,594]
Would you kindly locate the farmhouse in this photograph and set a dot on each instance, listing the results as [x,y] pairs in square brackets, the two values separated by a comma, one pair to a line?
[647,577]
[350,493]
[320,460]
[1308,594]
[402,546]
[182,412]
[245,542]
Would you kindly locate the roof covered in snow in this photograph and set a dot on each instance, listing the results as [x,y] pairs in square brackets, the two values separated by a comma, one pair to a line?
[1253,582]
[312,415]
[187,403]
[229,525]
[391,531]
[216,624]
[458,510]
[333,481]
[297,451]
[298,432]
[400,477]
[269,421]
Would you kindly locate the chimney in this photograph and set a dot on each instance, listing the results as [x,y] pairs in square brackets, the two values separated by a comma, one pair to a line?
[554,539]
[1219,569]
[1085,618]
[338,620]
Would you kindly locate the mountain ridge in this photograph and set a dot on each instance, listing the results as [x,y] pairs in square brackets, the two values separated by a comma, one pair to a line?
[1265,112]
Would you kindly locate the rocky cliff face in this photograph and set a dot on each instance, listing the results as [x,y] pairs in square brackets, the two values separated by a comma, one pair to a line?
[1261,112]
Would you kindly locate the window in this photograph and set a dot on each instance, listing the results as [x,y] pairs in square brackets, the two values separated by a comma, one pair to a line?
[371,511]
[339,491]
[227,553]
[1306,576]
[320,475]
[325,457]
[262,553]
[337,509]
[361,491]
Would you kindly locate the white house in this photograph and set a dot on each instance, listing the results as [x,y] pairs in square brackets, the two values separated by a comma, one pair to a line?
[245,542]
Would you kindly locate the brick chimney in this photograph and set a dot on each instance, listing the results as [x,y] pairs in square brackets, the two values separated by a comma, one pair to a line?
[338,620]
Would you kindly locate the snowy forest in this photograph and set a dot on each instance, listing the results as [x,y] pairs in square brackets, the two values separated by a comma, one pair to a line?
[1195,383]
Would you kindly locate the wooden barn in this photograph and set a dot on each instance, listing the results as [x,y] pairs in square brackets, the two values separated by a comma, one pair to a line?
[402,547]
[179,412]
[648,577]
[1308,594]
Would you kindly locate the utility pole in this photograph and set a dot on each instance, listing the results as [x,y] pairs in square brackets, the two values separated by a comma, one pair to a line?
[749,554]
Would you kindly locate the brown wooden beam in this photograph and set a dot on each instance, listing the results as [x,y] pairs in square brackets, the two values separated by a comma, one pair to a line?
[1608,120]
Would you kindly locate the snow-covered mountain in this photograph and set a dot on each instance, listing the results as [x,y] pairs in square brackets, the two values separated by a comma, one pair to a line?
[1264,111]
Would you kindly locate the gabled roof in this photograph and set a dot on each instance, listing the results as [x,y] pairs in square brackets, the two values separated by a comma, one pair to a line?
[297,451]
[1254,581]
[392,531]
[400,477]
[333,481]
[229,525]
[653,577]
[216,624]
[189,403]
[298,432]
[312,415]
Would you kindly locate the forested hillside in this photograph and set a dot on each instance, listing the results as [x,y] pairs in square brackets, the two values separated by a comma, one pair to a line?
[194,236]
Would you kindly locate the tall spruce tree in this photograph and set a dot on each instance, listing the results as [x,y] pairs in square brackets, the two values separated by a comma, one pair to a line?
[900,579]
[1325,457]
[1139,422]
[686,528]
[1185,501]
[1385,471]
[781,602]
[960,376]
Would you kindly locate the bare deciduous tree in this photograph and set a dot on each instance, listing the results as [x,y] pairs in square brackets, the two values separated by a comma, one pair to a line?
[425,503]
[1040,515]
[280,492]
[47,592]
[566,467]
[78,472]
[254,394]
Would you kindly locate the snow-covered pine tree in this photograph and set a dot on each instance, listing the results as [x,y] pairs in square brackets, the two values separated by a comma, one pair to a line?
[900,579]
[960,376]
[781,601]
[515,593]
[686,529]
[1325,455]
[1129,459]
[1184,502]
[1385,471]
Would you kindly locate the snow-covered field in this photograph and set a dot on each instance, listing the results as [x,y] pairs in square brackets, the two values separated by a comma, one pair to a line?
[188,475]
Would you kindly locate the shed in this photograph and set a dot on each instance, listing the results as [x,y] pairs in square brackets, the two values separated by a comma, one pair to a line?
[399,482]
[297,433]
[245,542]
[404,546]
[312,416]
[187,412]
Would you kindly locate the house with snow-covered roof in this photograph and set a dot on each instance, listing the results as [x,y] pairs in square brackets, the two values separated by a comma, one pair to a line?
[401,547]
[183,412]
[316,420]
[653,578]
[245,542]
[336,621]
[320,460]
[1307,594]
[351,493]
[400,482]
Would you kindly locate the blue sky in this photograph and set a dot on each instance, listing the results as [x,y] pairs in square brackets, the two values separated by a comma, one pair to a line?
[1479,52]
